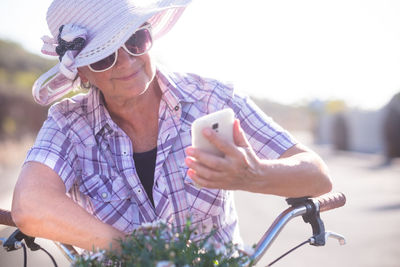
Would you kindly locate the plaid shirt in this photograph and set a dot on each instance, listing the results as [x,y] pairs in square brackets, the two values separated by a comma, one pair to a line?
[94,157]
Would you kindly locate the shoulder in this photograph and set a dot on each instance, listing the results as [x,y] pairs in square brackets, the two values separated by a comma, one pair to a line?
[71,115]
[205,84]
[203,89]
[69,109]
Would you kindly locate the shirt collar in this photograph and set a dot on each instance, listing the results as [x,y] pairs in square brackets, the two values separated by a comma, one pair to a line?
[177,88]
[98,114]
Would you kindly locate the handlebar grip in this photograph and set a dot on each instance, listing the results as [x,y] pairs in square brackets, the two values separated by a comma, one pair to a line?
[6,219]
[331,201]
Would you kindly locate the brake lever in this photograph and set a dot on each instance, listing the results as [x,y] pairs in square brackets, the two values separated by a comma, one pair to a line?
[312,217]
[338,237]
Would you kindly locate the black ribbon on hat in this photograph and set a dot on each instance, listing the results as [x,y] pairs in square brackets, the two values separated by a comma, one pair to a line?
[63,46]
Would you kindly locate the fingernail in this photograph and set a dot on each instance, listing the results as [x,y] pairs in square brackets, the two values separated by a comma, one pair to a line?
[188,162]
[189,151]
[191,174]
[207,132]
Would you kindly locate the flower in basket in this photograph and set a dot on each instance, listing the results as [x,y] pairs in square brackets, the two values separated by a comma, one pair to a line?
[161,245]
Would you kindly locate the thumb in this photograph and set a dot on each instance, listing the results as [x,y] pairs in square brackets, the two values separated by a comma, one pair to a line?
[238,135]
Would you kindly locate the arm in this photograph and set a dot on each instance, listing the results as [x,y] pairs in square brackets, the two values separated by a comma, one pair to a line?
[298,172]
[41,208]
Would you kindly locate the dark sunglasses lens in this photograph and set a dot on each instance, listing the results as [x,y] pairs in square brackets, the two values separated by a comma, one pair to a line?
[104,63]
[140,42]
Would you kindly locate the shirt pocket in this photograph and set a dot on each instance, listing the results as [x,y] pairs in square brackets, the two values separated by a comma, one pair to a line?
[107,189]
[203,202]
[111,201]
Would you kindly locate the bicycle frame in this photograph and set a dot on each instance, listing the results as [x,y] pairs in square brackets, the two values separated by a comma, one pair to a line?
[309,208]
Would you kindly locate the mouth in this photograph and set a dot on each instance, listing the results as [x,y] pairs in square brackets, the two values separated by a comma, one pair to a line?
[129,75]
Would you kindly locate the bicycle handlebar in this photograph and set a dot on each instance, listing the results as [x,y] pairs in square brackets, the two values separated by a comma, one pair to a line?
[331,201]
[6,219]
[301,207]
[326,202]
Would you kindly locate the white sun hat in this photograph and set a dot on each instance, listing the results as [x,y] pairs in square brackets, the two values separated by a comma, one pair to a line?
[95,29]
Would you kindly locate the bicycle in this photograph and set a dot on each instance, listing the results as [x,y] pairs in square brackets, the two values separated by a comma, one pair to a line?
[308,208]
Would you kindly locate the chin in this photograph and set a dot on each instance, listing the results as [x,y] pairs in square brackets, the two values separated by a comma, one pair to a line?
[136,88]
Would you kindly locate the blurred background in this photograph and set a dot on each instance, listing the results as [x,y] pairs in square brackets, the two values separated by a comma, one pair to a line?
[328,71]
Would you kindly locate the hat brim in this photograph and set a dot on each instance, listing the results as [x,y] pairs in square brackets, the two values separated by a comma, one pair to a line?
[124,25]
[53,85]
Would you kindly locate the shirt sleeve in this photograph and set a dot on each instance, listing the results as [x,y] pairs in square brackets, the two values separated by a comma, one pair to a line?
[53,149]
[268,139]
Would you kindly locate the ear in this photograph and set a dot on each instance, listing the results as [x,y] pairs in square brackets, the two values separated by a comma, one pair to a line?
[82,76]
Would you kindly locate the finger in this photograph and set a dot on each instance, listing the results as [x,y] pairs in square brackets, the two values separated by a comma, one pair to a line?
[212,184]
[239,136]
[211,161]
[201,181]
[221,144]
[201,170]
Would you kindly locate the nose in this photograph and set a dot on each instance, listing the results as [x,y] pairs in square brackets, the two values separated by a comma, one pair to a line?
[124,59]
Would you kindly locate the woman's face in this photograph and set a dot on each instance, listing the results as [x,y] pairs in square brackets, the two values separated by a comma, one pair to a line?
[128,78]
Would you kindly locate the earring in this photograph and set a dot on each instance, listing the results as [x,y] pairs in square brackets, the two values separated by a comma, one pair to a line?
[86,85]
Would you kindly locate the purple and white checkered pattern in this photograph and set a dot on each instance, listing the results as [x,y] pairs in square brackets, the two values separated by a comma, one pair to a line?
[94,157]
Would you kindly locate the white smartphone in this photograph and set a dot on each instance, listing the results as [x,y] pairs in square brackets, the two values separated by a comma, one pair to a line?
[221,122]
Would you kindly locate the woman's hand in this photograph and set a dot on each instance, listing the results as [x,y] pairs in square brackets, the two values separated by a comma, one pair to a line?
[233,171]
[298,172]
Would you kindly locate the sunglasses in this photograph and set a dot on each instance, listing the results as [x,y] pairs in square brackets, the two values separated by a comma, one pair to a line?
[138,44]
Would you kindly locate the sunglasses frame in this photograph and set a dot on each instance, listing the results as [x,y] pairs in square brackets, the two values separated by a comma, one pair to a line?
[146,26]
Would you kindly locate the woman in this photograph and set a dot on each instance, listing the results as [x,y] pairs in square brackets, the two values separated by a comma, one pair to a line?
[109,160]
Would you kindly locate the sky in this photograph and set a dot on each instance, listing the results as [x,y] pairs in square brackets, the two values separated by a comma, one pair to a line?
[289,51]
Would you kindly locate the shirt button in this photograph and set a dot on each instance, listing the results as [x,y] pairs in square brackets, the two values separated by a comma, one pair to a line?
[176,108]
[139,191]
[104,195]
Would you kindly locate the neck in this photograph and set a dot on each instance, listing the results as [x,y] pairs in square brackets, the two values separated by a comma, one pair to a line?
[137,110]
[138,118]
